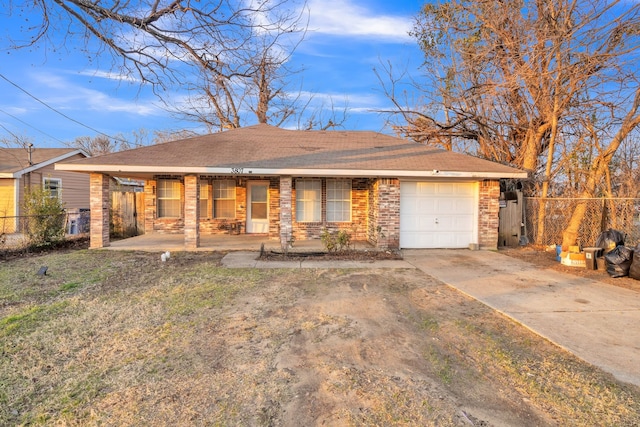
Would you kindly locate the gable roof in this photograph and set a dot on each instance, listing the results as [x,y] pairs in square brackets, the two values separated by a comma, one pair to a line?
[14,162]
[268,150]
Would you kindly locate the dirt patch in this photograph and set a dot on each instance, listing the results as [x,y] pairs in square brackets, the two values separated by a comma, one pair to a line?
[120,338]
[547,259]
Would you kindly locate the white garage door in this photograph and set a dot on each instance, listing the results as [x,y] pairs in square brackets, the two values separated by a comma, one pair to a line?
[437,214]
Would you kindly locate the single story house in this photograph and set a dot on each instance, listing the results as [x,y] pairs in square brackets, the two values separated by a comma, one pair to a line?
[21,168]
[291,184]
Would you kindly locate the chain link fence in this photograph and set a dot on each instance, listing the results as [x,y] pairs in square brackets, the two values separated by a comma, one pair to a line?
[15,230]
[600,215]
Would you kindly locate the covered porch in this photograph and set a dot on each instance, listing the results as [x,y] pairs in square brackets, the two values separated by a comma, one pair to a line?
[261,211]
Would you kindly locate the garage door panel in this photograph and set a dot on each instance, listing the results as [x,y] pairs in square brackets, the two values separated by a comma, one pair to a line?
[424,188]
[447,207]
[437,214]
[445,189]
[464,224]
[465,206]
[425,206]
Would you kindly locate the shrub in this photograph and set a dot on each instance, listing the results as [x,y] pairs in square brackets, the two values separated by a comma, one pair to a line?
[46,217]
[335,241]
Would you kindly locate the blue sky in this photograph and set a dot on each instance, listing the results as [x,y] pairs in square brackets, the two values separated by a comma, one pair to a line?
[346,40]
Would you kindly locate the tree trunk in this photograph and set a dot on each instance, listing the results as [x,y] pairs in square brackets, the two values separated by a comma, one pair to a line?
[600,166]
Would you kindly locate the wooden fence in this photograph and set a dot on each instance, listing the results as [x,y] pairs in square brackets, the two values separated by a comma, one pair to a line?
[127,214]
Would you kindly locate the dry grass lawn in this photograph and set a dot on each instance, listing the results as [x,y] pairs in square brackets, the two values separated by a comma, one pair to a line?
[119,338]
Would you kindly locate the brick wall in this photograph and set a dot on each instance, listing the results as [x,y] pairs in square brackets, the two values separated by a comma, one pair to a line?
[372,214]
[488,211]
[99,203]
[385,230]
[191,212]
[162,225]
[286,219]
[212,226]
[358,225]
[149,206]
[274,207]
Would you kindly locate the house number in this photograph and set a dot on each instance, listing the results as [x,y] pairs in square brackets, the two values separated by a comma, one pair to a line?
[237,170]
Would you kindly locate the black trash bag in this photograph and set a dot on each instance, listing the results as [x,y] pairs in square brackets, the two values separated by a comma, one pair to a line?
[610,239]
[634,270]
[618,261]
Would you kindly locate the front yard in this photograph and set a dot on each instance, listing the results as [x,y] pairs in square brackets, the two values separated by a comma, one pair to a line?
[120,338]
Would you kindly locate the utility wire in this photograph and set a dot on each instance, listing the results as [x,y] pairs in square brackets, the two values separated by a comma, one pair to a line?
[27,124]
[56,111]
[5,128]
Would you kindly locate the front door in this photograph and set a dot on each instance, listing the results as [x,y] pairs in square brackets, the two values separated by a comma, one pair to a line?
[257,207]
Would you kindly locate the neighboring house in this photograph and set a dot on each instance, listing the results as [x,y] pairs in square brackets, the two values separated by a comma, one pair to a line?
[282,183]
[20,169]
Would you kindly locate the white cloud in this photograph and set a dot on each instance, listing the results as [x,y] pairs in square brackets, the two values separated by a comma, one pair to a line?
[110,76]
[345,18]
[62,94]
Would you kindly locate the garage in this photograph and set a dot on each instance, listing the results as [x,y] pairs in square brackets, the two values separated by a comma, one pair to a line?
[438,214]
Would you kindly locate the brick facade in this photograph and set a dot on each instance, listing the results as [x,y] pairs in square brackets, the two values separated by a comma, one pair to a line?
[384,213]
[149,206]
[375,217]
[286,210]
[357,227]
[191,212]
[488,211]
[99,202]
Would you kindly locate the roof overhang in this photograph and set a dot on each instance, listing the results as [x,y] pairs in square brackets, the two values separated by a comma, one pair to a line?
[148,171]
[53,160]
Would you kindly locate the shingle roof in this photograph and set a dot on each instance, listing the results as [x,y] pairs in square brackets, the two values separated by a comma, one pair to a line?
[262,148]
[16,159]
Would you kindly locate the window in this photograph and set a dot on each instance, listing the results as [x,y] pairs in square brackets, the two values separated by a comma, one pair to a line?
[53,186]
[204,199]
[338,200]
[308,200]
[168,198]
[224,199]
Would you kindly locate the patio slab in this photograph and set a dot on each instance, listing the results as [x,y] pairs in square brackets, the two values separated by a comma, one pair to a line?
[156,242]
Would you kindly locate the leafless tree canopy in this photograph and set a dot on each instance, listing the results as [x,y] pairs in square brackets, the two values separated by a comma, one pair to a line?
[551,86]
[230,56]
[509,79]
[146,38]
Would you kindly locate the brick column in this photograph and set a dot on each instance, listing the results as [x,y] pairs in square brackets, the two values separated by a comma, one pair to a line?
[286,218]
[149,206]
[488,214]
[99,204]
[191,212]
[388,213]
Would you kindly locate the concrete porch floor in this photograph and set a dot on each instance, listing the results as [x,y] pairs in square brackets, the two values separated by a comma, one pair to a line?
[220,242]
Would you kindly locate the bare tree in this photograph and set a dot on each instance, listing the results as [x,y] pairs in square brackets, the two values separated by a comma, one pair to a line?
[505,73]
[162,136]
[250,83]
[255,84]
[99,145]
[16,141]
[600,166]
[148,38]
[232,57]
[530,83]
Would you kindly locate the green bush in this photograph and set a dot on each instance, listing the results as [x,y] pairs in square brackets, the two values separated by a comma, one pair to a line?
[45,217]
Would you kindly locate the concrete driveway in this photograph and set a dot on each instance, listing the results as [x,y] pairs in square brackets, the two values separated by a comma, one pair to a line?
[599,323]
